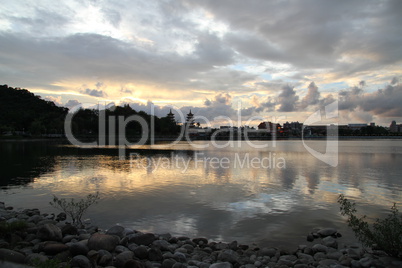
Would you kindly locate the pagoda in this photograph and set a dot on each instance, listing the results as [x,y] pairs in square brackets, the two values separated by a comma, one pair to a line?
[190,120]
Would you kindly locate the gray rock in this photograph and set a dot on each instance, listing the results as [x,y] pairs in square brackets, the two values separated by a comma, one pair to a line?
[354,253]
[80,261]
[104,258]
[168,263]
[203,241]
[179,265]
[116,230]
[327,232]
[336,255]
[122,258]
[154,254]
[103,241]
[330,242]
[61,216]
[142,239]
[221,265]
[233,245]
[221,246]
[69,229]
[49,232]
[320,256]
[310,237]
[288,257]
[141,252]
[54,248]
[319,248]
[270,252]
[11,255]
[366,262]
[355,264]
[228,255]
[35,219]
[328,263]
[119,249]
[79,249]
[161,244]
[308,258]
[179,256]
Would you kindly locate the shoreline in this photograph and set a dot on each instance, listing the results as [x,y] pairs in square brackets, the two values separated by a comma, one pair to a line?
[47,237]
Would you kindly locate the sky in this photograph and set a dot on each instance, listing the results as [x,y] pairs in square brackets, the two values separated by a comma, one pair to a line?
[246,61]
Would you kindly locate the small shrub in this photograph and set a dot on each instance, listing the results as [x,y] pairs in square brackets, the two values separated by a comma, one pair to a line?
[75,209]
[7,228]
[385,233]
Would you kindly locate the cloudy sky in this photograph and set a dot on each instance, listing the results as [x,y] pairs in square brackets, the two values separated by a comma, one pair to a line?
[271,60]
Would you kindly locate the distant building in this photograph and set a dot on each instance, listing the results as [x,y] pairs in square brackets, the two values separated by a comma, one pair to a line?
[395,128]
[170,116]
[269,126]
[190,120]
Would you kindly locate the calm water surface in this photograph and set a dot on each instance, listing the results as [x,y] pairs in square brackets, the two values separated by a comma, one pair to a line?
[269,196]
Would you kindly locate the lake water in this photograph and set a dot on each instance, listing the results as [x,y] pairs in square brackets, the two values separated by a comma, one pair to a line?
[272,196]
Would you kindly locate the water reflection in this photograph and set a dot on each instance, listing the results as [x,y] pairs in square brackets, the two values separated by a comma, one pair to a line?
[232,193]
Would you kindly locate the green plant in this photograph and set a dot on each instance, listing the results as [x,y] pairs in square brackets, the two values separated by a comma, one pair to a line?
[385,233]
[7,228]
[75,209]
[51,263]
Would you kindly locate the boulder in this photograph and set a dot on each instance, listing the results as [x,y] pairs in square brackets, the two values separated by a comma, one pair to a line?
[221,265]
[142,239]
[327,232]
[54,248]
[103,241]
[80,261]
[116,230]
[11,255]
[122,258]
[228,255]
[49,232]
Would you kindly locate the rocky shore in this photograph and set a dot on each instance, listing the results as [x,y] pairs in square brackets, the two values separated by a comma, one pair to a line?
[50,241]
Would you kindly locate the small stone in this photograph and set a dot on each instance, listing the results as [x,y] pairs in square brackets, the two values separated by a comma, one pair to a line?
[310,238]
[328,263]
[154,254]
[179,265]
[233,245]
[179,256]
[80,261]
[330,242]
[103,241]
[327,232]
[69,229]
[355,264]
[61,216]
[168,263]
[122,258]
[79,249]
[320,256]
[105,257]
[54,248]
[116,230]
[336,255]
[49,232]
[366,262]
[141,252]
[200,239]
[161,244]
[270,252]
[221,265]
[228,255]
[319,248]
[142,239]
[11,255]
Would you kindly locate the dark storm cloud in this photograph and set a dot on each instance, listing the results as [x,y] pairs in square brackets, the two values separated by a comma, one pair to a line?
[287,99]
[94,92]
[314,33]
